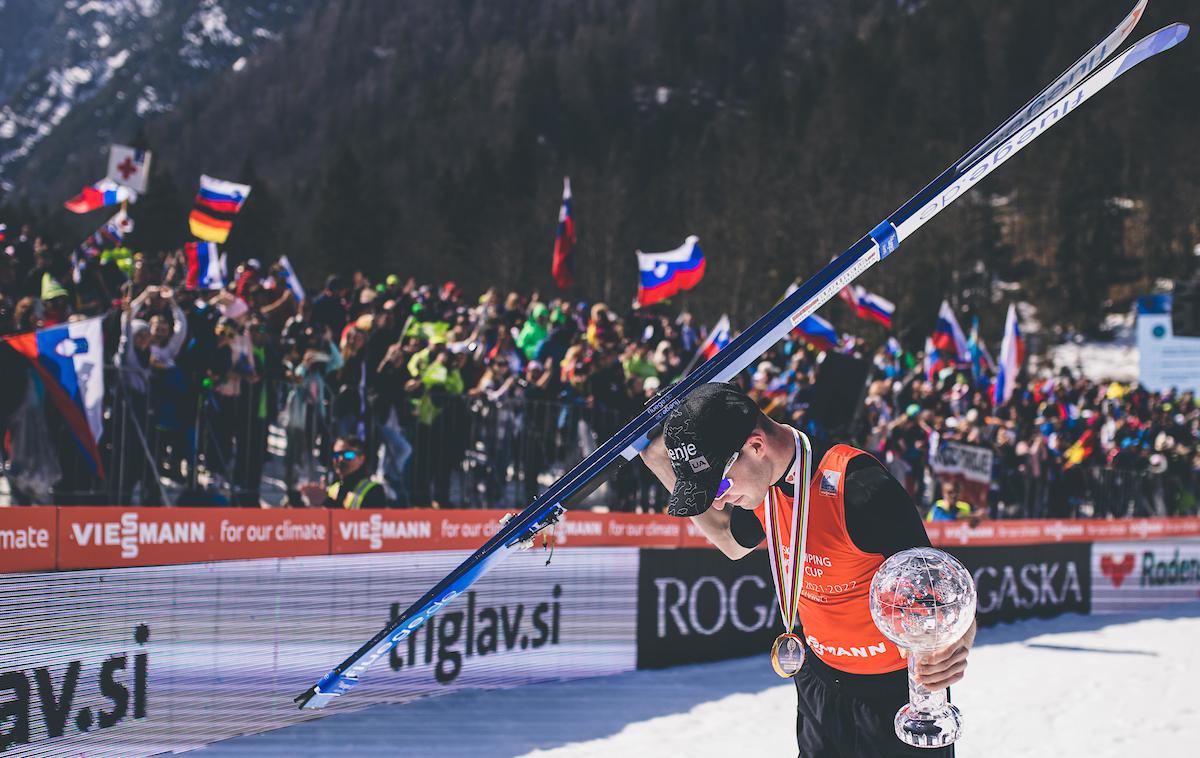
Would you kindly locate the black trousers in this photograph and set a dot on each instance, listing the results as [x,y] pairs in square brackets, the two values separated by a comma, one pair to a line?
[851,716]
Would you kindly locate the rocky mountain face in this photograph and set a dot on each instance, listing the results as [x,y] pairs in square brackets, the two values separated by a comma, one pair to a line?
[431,137]
[79,74]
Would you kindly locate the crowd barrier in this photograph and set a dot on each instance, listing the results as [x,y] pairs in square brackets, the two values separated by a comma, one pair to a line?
[245,609]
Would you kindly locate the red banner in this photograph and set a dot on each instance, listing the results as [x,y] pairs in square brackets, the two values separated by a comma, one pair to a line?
[1031,531]
[28,538]
[397,531]
[113,537]
[45,538]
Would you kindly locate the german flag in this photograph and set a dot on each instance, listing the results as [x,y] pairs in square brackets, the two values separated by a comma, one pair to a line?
[217,203]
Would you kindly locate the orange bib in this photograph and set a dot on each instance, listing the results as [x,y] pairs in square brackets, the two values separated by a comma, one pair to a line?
[834,609]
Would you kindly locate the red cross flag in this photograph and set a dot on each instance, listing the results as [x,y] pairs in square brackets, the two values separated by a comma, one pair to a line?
[129,167]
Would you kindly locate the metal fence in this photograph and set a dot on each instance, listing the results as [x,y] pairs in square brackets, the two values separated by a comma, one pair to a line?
[167,441]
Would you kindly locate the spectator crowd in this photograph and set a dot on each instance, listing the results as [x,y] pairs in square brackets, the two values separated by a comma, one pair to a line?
[389,392]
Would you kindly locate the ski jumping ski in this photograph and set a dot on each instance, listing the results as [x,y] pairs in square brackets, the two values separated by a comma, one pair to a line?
[1080,82]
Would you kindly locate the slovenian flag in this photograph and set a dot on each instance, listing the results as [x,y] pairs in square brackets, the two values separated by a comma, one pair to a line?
[1012,357]
[717,339]
[818,333]
[103,193]
[948,337]
[662,275]
[563,267]
[69,359]
[3,231]
[868,305]
[205,266]
[216,205]
[293,281]
[933,360]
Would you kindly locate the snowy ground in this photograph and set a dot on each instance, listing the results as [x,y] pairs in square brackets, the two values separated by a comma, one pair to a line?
[1094,686]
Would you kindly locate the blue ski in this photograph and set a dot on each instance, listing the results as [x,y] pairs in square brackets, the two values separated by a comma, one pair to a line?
[1026,125]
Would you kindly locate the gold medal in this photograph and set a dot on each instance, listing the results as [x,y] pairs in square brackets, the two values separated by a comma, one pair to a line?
[787,655]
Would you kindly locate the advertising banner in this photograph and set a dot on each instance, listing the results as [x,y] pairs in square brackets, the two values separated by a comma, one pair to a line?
[110,537]
[141,661]
[1028,581]
[28,538]
[403,530]
[696,605]
[1135,576]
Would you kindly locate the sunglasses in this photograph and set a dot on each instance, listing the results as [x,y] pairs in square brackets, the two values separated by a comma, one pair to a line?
[726,482]
[345,455]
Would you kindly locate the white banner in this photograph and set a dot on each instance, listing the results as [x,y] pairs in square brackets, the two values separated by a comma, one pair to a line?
[139,661]
[1134,576]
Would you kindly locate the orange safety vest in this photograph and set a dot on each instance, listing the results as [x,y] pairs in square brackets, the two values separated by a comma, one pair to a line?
[833,606]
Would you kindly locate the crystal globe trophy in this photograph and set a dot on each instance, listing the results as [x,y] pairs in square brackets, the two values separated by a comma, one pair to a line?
[923,599]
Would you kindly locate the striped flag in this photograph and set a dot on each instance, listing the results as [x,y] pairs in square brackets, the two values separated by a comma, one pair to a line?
[114,230]
[293,281]
[103,193]
[563,267]
[216,205]
[3,231]
[717,338]
[662,275]
[818,333]
[69,359]
[868,305]
[205,266]
[948,336]
[1012,357]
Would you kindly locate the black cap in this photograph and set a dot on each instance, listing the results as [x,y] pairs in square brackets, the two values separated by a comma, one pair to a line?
[701,435]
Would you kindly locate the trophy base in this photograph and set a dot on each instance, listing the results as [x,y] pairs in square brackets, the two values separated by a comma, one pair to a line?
[928,729]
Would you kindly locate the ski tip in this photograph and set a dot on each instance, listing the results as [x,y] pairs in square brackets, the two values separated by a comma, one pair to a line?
[1153,44]
[311,699]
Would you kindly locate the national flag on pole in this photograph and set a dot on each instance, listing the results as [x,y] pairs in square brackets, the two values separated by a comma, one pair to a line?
[216,205]
[717,338]
[1012,357]
[103,193]
[129,167]
[69,359]
[3,231]
[982,364]
[205,266]
[665,274]
[868,305]
[114,230]
[948,336]
[933,360]
[563,267]
[293,281]
[818,333]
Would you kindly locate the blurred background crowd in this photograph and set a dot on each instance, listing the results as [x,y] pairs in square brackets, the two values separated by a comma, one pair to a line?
[395,393]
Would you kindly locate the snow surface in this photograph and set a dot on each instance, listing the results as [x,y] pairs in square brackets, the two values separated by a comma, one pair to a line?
[1095,686]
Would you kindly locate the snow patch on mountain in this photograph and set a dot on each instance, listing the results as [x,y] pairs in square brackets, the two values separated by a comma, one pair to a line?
[207,26]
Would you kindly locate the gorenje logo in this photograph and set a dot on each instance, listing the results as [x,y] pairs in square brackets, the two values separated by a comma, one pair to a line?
[481,630]
[129,533]
[1117,570]
[18,689]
